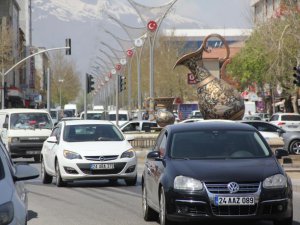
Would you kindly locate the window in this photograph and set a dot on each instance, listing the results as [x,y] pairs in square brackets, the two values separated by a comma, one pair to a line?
[274,118]
[30,121]
[290,117]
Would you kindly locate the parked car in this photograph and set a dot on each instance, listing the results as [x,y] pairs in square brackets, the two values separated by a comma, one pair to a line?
[13,198]
[138,126]
[263,116]
[287,121]
[123,116]
[291,139]
[192,120]
[215,170]
[251,117]
[87,149]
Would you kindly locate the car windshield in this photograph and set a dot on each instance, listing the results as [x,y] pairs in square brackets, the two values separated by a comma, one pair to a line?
[217,144]
[30,121]
[112,117]
[290,117]
[92,132]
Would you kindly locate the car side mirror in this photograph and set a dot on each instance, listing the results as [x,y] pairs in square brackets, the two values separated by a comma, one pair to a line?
[280,132]
[25,172]
[52,139]
[5,125]
[279,153]
[154,155]
[130,137]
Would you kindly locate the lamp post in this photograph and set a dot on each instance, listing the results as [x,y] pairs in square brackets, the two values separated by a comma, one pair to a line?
[152,27]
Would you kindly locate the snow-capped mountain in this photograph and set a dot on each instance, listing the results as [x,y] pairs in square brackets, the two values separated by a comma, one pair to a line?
[54,20]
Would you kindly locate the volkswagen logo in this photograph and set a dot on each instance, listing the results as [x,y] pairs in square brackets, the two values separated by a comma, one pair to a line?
[233,187]
[101,158]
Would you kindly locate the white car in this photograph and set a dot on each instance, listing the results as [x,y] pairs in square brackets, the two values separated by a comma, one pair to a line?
[87,150]
[13,197]
[287,121]
[138,126]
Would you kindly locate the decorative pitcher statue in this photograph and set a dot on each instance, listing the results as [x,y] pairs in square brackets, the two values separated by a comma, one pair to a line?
[216,98]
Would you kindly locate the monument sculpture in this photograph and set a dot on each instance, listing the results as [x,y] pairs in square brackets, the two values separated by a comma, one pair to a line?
[216,98]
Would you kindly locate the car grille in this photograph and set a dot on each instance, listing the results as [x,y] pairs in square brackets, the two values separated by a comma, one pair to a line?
[101,158]
[85,168]
[241,210]
[217,188]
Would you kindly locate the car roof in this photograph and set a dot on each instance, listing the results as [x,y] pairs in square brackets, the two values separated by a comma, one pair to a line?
[209,125]
[81,122]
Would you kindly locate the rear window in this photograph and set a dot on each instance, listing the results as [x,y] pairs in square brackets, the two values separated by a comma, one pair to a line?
[290,117]
[218,144]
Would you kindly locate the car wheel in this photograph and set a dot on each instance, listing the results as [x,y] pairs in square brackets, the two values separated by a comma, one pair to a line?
[131,181]
[162,209]
[59,181]
[148,213]
[46,178]
[294,147]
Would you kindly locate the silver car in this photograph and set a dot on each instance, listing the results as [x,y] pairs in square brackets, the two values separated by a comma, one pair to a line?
[13,198]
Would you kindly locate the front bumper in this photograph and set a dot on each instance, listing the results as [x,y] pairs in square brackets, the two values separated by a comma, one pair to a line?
[201,206]
[27,149]
[81,169]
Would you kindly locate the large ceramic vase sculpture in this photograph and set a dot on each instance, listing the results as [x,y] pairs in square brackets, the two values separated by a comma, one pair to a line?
[216,98]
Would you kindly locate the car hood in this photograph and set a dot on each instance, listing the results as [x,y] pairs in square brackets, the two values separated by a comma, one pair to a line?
[241,170]
[95,148]
[6,191]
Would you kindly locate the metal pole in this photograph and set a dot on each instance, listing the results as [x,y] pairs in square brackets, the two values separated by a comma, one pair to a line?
[60,95]
[2,91]
[48,90]
[117,99]
[85,96]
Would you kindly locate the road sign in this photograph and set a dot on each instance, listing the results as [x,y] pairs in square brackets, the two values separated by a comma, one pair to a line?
[192,79]
[152,25]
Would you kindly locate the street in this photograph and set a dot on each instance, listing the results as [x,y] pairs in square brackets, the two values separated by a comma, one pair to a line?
[97,203]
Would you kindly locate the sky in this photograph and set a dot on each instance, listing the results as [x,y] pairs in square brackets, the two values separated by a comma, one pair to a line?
[55,20]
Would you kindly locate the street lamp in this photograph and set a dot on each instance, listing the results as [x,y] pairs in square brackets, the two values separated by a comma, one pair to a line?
[60,81]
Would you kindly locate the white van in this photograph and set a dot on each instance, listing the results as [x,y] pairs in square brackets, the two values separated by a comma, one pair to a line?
[123,117]
[70,110]
[24,131]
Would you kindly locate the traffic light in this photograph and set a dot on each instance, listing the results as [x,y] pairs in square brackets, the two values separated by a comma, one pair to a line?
[68,44]
[122,83]
[297,76]
[90,83]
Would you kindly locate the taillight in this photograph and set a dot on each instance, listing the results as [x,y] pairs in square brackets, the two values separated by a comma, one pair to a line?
[280,123]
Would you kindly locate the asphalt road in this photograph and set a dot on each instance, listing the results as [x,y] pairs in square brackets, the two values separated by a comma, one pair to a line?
[98,203]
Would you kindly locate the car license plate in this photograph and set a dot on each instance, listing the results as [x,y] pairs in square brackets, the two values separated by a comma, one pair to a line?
[234,200]
[102,166]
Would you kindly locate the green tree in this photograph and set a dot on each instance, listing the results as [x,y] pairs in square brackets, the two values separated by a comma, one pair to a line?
[65,82]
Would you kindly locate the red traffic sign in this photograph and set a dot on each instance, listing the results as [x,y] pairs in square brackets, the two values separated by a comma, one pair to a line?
[192,79]
[129,53]
[152,25]
[118,66]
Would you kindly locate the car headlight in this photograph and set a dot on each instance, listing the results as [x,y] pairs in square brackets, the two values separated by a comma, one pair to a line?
[128,154]
[187,184]
[276,181]
[6,213]
[15,140]
[71,155]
